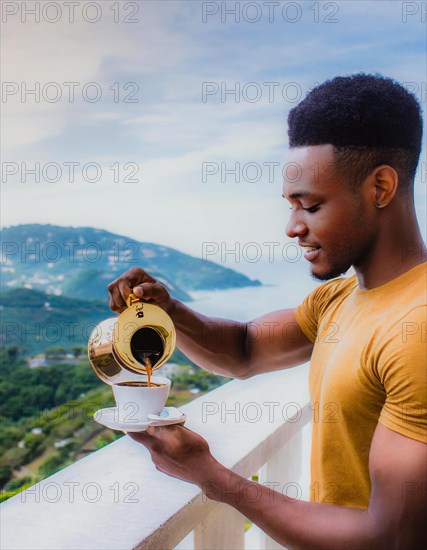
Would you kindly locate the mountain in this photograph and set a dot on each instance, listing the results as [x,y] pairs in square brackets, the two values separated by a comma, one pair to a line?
[79,262]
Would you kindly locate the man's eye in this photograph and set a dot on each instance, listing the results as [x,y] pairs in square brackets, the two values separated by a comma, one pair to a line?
[312,208]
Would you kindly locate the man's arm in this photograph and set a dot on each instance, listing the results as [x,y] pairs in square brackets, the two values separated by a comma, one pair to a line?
[230,348]
[394,520]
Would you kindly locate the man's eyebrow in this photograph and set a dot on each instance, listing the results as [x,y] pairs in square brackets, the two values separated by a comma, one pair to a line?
[298,195]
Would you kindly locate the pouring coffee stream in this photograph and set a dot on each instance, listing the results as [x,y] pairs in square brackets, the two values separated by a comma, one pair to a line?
[134,344]
[124,351]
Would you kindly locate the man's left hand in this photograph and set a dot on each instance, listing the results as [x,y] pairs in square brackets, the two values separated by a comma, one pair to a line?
[179,452]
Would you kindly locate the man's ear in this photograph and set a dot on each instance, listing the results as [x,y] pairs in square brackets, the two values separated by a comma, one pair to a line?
[384,184]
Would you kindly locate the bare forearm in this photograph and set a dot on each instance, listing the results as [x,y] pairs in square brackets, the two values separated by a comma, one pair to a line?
[221,346]
[217,345]
[293,523]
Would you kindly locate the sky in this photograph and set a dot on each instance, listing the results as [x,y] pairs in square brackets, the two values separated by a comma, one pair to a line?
[132,116]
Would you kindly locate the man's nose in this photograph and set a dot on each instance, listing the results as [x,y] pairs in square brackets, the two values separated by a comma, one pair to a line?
[295,227]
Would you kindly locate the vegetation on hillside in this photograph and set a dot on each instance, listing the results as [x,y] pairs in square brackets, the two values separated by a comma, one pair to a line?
[54,292]
[32,320]
[47,413]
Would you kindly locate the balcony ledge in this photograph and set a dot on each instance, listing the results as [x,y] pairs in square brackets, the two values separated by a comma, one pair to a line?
[115,498]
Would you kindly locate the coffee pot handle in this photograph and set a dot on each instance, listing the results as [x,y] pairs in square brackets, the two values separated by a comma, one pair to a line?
[131,299]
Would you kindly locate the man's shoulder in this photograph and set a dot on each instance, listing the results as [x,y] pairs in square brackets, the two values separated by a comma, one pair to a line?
[407,297]
[335,288]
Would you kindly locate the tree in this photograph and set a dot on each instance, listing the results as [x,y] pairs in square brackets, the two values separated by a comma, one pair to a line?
[78,350]
[5,475]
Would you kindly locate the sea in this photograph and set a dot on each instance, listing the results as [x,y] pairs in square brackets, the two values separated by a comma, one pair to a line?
[284,285]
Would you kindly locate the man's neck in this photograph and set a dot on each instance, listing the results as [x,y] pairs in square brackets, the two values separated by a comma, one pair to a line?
[398,249]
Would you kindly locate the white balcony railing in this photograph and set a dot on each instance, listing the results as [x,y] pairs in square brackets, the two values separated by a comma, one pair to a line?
[116,499]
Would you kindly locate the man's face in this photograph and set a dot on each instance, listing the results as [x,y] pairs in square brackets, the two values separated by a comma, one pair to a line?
[328,218]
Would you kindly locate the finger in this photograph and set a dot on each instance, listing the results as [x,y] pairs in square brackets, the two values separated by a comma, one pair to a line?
[113,297]
[136,275]
[120,288]
[142,437]
[153,435]
[116,299]
[117,304]
[152,444]
[165,434]
[125,288]
[150,291]
[111,303]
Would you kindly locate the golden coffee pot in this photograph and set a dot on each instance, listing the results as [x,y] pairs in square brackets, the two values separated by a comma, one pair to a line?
[120,348]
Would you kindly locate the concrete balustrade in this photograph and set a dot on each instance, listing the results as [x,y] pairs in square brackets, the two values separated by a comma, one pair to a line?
[115,498]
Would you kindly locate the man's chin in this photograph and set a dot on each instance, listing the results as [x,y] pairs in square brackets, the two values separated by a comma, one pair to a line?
[329,274]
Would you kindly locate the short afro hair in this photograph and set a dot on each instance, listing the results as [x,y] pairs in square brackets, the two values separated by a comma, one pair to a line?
[369,120]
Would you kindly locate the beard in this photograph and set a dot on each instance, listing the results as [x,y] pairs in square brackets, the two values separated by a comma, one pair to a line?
[356,252]
[333,272]
[341,260]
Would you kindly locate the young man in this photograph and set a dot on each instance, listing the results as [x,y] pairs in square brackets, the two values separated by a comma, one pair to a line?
[355,143]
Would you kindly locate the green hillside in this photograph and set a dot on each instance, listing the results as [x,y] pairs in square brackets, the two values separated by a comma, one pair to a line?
[36,321]
[54,292]
[46,420]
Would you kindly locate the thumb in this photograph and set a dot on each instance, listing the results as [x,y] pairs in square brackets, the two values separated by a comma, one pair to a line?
[138,291]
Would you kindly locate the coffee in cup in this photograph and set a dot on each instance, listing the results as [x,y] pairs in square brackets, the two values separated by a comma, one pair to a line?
[135,399]
[136,384]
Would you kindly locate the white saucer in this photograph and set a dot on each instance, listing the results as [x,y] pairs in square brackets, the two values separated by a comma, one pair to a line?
[108,417]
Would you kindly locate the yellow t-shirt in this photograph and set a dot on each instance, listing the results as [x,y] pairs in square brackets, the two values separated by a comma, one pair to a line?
[369,365]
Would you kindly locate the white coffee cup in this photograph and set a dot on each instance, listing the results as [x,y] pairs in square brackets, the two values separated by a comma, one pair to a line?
[135,403]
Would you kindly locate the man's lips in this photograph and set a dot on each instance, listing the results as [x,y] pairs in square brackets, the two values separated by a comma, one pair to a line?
[311,251]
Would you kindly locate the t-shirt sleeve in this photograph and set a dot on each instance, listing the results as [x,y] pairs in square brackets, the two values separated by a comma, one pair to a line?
[402,369]
[307,316]
[309,313]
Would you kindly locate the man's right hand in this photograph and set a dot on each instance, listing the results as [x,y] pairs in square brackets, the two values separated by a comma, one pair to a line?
[139,282]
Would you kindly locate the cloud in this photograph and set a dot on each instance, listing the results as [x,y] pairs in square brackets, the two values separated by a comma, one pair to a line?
[171,132]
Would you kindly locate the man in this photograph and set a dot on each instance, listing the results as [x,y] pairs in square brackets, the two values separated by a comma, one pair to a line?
[354,143]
